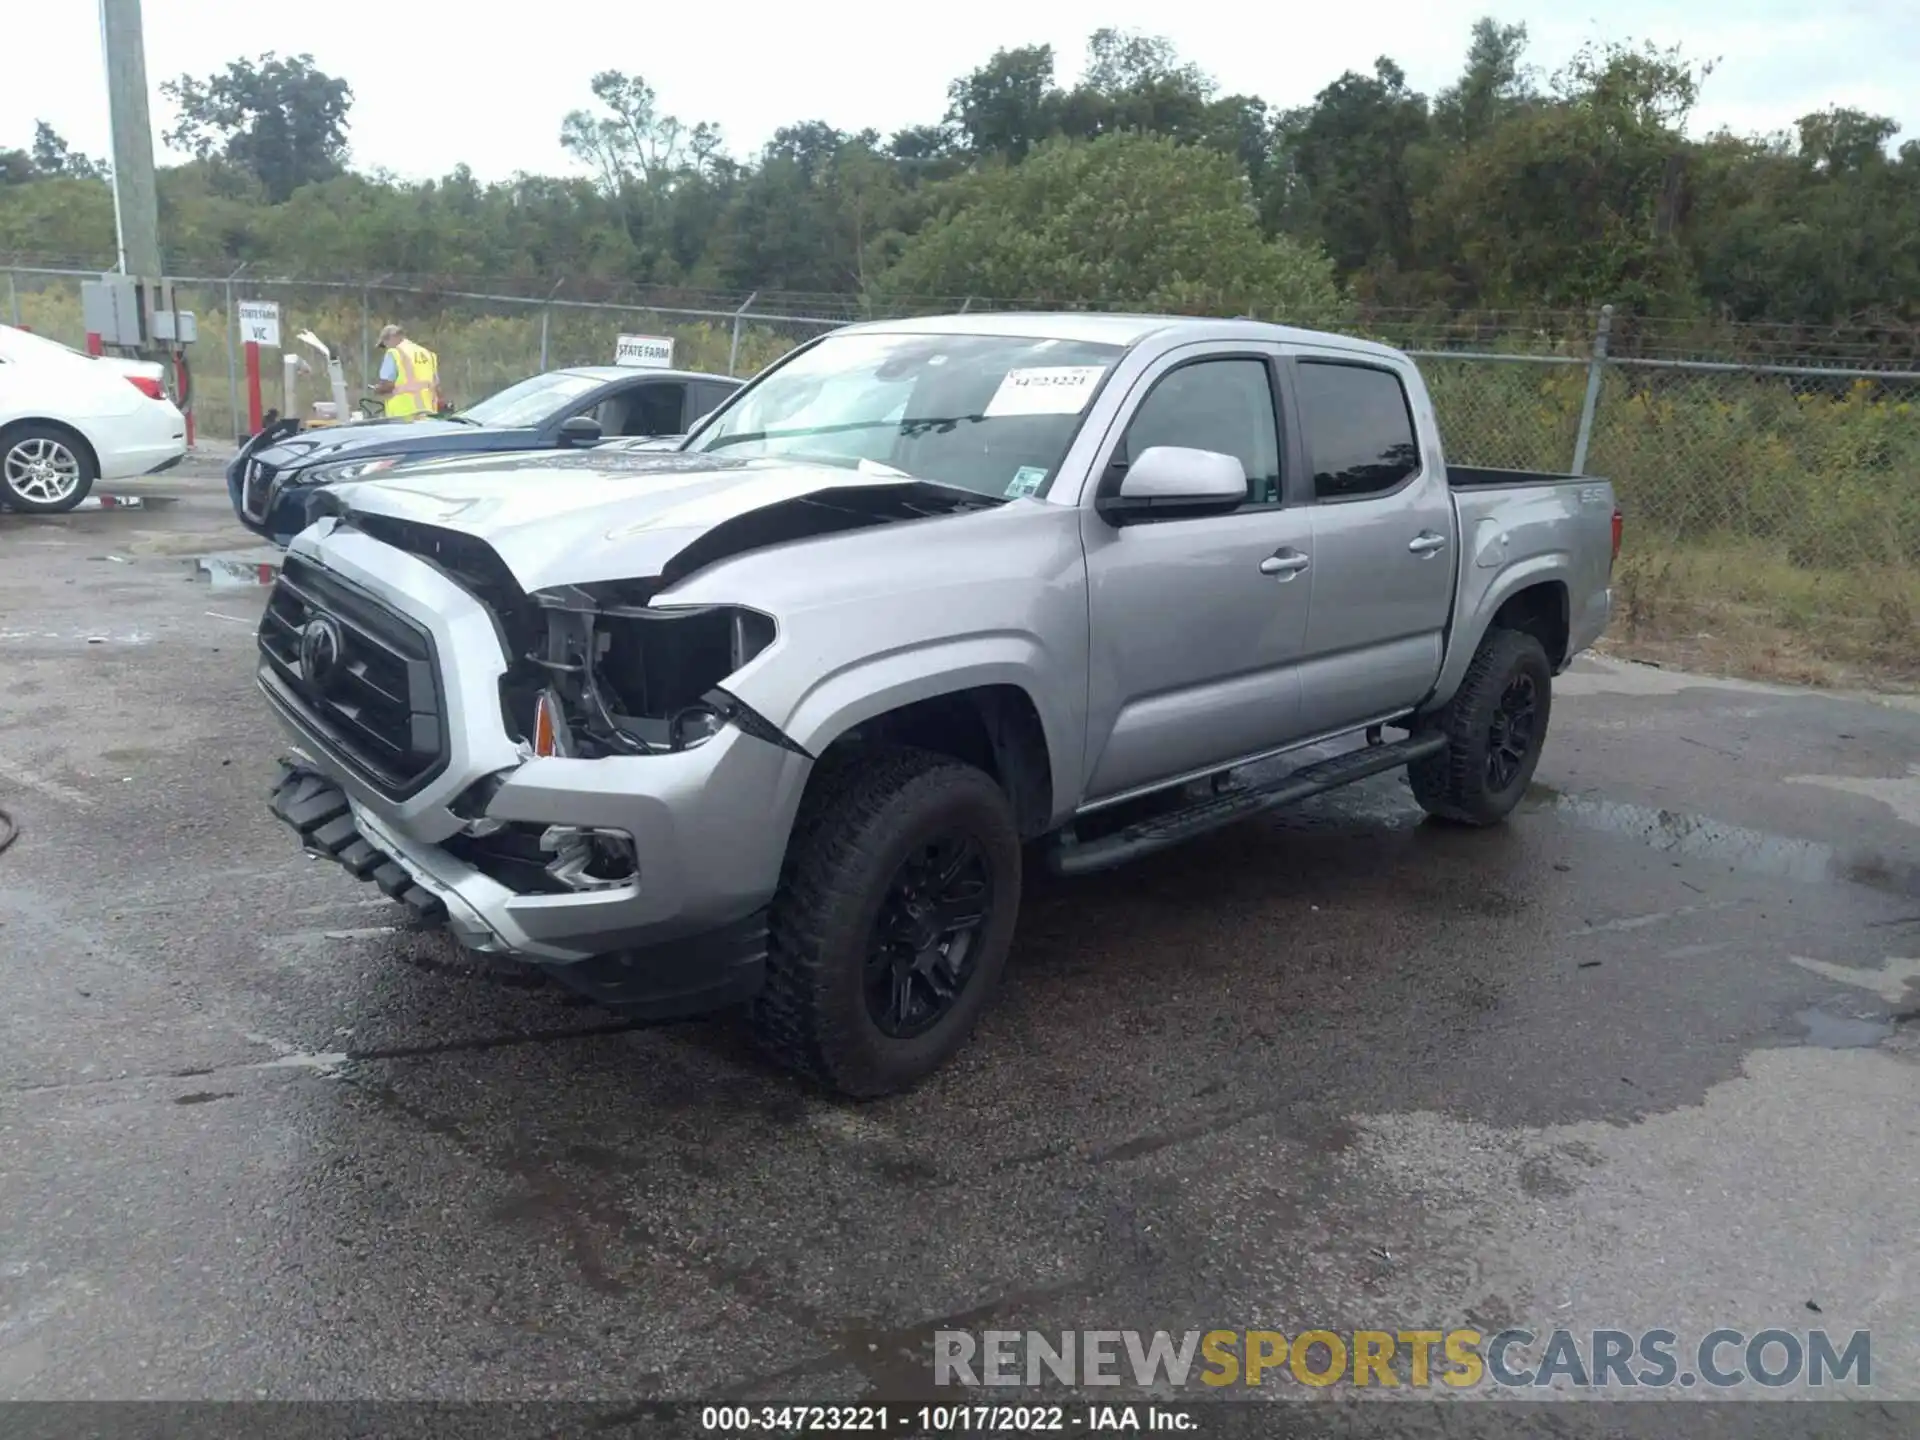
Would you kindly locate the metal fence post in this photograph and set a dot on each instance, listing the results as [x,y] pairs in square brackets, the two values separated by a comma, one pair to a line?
[13,298]
[1596,371]
[366,335]
[733,350]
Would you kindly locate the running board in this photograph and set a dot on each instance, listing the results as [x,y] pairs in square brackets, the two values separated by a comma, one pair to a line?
[1072,857]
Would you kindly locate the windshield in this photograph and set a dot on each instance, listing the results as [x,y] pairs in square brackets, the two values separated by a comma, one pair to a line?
[988,413]
[532,401]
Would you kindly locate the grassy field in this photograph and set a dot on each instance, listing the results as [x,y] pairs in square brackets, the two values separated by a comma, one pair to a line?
[1772,522]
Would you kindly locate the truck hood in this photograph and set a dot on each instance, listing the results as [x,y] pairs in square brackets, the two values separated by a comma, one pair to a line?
[362,438]
[580,518]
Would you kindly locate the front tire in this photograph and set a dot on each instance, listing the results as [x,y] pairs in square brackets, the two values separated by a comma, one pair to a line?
[893,921]
[1496,725]
[44,469]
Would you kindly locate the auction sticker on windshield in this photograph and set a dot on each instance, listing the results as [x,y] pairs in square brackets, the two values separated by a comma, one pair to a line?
[1046,390]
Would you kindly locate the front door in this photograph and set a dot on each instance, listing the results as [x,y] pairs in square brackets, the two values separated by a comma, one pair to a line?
[1197,624]
[1383,546]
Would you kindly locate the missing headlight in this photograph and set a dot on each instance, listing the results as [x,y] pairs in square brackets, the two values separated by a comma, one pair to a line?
[632,679]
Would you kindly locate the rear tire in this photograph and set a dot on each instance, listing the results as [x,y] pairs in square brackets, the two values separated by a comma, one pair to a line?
[868,989]
[45,469]
[1496,725]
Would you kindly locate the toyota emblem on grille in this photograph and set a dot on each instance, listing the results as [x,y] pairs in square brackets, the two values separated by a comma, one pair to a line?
[321,645]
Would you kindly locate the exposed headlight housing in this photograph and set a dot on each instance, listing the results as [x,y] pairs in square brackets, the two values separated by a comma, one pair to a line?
[624,677]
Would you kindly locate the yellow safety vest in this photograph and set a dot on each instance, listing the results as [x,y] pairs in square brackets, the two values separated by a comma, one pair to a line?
[416,386]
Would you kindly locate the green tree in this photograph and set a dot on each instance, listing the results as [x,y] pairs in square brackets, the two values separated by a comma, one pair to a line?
[1813,227]
[1008,105]
[283,121]
[1126,219]
[633,143]
[1578,202]
[1345,168]
[54,159]
[655,167]
[1136,82]
[819,212]
[1494,86]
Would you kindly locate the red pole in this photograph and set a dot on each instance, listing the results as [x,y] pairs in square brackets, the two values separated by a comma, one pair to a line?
[180,387]
[93,342]
[253,388]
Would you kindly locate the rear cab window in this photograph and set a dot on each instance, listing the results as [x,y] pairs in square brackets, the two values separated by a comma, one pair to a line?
[1358,427]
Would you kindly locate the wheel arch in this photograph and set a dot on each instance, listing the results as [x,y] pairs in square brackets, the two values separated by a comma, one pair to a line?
[993,724]
[1533,597]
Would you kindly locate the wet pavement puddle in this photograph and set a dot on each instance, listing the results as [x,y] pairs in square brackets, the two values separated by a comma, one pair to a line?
[1700,837]
[1842,1032]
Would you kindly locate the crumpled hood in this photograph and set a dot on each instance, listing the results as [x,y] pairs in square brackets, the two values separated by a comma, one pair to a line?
[579,518]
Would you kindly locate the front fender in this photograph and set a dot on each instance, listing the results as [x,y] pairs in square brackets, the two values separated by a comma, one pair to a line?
[1487,591]
[875,685]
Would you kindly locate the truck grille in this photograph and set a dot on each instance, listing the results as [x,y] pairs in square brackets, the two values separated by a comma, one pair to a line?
[357,674]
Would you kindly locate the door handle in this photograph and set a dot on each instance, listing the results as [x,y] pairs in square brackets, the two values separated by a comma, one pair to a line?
[1284,563]
[1426,542]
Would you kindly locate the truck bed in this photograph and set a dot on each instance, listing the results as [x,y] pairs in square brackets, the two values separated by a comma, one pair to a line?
[1517,523]
[1480,477]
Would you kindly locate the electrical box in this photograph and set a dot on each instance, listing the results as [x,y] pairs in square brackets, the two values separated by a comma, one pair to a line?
[110,308]
[175,327]
[134,314]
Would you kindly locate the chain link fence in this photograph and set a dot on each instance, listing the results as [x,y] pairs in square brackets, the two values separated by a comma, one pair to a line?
[1770,477]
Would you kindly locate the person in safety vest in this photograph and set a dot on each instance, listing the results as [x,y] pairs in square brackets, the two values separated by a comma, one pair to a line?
[409,377]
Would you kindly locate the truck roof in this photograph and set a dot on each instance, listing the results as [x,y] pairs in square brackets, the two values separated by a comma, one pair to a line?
[1112,329]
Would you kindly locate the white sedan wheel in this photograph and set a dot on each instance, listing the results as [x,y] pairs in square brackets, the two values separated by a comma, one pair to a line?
[41,471]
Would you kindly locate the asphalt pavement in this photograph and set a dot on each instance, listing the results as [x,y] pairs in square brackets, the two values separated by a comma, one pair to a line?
[1644,1058]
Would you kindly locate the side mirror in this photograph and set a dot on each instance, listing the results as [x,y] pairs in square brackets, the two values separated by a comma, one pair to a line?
[579,430]
[1176,481]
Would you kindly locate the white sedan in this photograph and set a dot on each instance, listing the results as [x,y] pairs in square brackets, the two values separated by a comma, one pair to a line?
[68,419]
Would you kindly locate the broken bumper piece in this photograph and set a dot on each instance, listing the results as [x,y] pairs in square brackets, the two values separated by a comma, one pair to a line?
[318,811]
[667,979]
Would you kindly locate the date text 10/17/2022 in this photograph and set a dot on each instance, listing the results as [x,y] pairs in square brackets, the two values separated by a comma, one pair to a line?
[946,1419]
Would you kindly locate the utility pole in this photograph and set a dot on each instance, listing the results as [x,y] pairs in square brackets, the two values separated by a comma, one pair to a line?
[136,203]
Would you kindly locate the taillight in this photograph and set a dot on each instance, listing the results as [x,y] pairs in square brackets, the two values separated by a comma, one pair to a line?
[147,386]
[1616,538]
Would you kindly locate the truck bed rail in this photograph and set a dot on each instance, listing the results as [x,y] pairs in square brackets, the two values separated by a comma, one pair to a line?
[1480,477]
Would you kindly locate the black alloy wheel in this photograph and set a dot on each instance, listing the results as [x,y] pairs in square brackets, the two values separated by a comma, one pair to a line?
[925,939]
[1510,739]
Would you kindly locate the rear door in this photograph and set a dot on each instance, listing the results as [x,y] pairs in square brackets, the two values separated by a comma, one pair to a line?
[1383,543]
[1197,623]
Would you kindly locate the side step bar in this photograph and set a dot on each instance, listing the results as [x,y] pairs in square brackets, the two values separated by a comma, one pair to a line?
[1071,857]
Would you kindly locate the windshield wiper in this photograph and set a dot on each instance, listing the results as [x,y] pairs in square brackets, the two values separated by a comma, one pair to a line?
[908,427]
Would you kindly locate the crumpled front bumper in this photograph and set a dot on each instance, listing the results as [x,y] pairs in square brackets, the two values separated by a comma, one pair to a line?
[688,975]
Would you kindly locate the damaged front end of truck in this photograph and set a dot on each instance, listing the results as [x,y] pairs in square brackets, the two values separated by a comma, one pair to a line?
[507,722]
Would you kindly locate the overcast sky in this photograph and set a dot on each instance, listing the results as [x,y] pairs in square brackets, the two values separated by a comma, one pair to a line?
[488,83]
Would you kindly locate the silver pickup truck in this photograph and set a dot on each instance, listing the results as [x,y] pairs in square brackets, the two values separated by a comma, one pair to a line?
[774,716]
